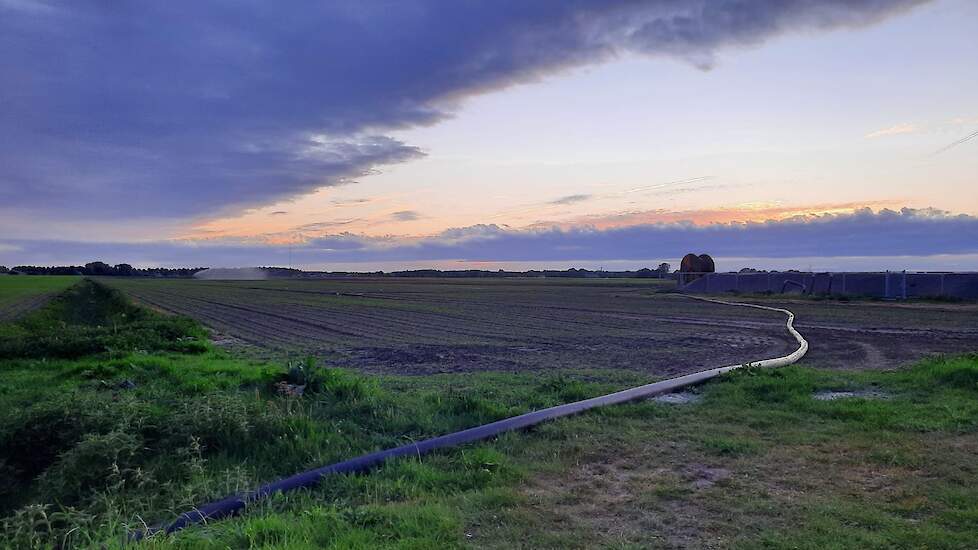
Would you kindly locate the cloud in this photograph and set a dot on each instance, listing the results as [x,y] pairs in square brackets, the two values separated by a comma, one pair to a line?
[861,233]
[183,109]
[570,199]
[278,213]
[735,213]
[320,226]
[961,120]
[661,189]
[406,216]
[350,202]
[892,131]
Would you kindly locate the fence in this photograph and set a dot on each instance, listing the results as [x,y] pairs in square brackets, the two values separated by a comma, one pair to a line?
[889,284]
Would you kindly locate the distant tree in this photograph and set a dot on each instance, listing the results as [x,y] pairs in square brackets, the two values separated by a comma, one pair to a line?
[748,270]
[664,268]
[125,270]
[98,268]
[3,269]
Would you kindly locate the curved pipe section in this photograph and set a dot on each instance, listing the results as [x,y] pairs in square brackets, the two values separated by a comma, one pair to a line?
[236,503]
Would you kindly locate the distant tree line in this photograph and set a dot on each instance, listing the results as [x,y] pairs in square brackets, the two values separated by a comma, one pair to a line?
[664,271]
[103,269]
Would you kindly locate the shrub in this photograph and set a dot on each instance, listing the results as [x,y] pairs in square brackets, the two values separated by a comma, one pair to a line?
[97,462]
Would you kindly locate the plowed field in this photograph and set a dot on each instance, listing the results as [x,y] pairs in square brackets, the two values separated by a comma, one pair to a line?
[445,325]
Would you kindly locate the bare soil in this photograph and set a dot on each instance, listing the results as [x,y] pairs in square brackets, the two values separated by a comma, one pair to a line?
[430,326]
[24,306]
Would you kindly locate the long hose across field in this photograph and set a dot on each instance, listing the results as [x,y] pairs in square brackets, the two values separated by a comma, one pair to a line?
[236,503]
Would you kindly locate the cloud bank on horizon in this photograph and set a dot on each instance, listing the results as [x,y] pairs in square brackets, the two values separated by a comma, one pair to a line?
[179,110]
[862,233]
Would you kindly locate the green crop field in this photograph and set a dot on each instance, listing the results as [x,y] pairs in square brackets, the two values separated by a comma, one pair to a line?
[114,417]
[21,293]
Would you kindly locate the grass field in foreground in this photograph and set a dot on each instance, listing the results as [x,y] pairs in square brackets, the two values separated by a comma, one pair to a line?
[127,417]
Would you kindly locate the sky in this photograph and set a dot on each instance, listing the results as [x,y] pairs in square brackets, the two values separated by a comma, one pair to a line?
[494,134]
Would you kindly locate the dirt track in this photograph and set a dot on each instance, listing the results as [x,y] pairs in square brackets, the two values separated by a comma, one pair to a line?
[429,326]
[19,308]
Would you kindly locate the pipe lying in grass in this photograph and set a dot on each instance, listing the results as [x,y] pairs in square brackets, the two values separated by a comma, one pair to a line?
[235,504]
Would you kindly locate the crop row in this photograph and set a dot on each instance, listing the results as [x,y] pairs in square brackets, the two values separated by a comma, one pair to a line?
[463,326]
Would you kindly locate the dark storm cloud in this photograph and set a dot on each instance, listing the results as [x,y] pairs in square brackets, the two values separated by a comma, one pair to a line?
[911,232]
[908,232]
[174,109]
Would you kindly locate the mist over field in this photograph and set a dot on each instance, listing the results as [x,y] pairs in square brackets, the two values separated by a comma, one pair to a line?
[232,274]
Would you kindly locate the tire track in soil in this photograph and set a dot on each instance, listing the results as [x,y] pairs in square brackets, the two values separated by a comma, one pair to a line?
[382,331]
[273,315]
[240,331]
[237,322]
[303,335]
[451,318]
[20,308]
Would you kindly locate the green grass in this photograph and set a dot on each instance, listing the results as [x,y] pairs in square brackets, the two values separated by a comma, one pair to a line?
[112,417]
[89,318]
[20,287]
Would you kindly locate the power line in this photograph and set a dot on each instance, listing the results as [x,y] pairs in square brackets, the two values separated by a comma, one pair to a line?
[968,137]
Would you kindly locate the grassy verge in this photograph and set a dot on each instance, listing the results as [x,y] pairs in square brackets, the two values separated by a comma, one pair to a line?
[21,293]
[14,288]
[112,416]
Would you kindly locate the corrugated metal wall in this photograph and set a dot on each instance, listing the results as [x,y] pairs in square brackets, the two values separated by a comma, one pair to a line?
[893,284]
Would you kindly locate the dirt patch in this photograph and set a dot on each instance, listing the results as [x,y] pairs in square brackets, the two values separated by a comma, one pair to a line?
[226,341]
[20,308]
[600,498]
[872,350]
[645,498]
[431,359]
[702,477]
[678,398]
[832,395]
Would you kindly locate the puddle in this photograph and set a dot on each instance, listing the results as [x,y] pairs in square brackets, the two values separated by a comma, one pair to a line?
[830,395]
[678,398]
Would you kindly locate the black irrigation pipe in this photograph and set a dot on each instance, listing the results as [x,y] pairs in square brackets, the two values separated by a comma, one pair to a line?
[235,504]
